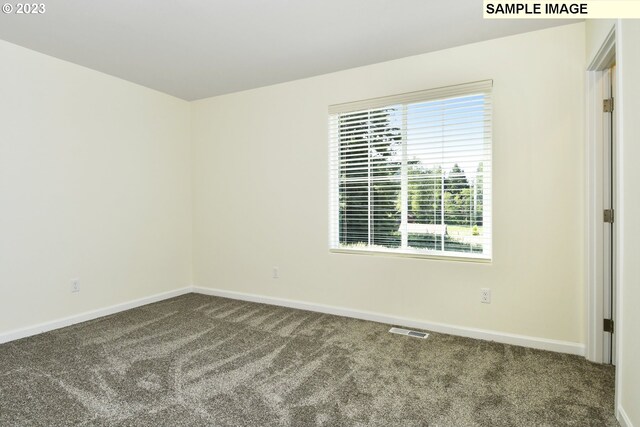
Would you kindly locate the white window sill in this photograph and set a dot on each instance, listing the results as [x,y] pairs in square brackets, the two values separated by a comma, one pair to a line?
[434,255]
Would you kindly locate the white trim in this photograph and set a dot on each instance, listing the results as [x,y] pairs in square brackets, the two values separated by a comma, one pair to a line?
[433,255]
[594,157]
[501,337]
[88,315]
[620,217]
[606,55]
[462,89]
[623,418]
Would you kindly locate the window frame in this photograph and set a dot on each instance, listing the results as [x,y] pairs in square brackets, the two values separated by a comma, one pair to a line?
[449,92]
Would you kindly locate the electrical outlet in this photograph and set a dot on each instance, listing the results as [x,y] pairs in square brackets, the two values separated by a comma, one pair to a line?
[75,285]
[485,295]
[275,273]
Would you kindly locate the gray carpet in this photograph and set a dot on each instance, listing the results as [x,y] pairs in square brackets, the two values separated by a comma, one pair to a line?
[197,360]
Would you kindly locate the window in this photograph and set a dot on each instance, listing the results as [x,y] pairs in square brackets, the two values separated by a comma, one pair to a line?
[411,174]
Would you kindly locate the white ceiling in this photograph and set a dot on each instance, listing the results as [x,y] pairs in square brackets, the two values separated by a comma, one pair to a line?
[199,48]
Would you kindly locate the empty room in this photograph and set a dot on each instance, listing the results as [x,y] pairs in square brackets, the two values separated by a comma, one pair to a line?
[319,213]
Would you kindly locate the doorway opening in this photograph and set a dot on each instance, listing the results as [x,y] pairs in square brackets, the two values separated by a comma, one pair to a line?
[609,202]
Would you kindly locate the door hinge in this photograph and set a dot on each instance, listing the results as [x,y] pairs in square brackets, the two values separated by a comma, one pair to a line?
[608,216]
[608,325]
[607,105]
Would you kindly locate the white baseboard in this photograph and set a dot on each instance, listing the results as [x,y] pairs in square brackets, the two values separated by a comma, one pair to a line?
[88,315]
[501,337]
[623,418]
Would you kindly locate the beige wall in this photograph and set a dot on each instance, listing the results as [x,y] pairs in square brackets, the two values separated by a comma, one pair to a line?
[261,184]
[94,184]
[629,139]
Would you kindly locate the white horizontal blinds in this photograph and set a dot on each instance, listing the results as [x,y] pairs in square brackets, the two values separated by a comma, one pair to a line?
[411,173]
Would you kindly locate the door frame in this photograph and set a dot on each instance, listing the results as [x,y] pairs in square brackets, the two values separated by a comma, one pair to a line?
[609,230]
[594,198]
